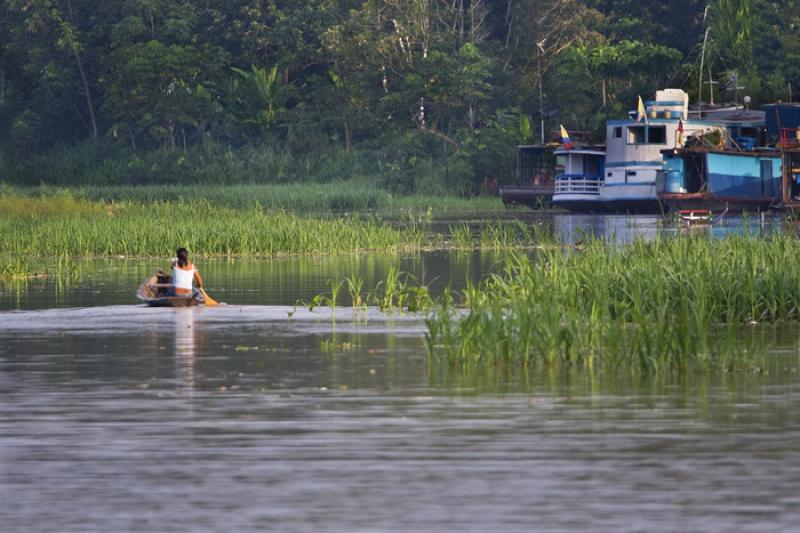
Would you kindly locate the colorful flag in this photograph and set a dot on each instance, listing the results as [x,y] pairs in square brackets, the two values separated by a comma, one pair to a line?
[679,133]
[565,140]
[641,113]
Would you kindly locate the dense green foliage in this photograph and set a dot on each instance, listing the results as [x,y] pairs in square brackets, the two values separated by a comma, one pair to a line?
[418,95]
[673,304]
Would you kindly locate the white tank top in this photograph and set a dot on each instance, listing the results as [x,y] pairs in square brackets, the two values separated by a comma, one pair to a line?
[182,279]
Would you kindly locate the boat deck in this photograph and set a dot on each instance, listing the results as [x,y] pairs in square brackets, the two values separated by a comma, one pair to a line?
[530,195]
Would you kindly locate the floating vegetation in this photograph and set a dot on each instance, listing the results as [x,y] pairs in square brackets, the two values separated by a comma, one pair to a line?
[674,304]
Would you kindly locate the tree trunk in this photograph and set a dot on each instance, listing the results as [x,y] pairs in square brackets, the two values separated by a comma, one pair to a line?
[603,84]
[152,23]
[509,23]
[347,133]
[84,80]
[172,141]
[3,82]
[88,93]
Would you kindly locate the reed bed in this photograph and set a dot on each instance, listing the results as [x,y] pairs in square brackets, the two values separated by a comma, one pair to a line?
[670,305]
[349,195]
[501,236]
[75,227]
[19,269]
[16,269]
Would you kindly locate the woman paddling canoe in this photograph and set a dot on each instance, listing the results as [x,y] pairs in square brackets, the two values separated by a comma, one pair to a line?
[184,273]
[176,290]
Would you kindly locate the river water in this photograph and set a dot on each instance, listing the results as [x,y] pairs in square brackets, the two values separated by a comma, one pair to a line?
[261,415]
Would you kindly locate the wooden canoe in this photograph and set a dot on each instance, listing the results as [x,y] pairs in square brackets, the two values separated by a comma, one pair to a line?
[154,292]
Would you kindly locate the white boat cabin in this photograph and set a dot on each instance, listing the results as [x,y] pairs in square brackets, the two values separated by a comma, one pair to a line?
[633,157]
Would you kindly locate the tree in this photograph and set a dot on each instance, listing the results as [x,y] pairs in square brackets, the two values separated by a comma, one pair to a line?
[58,30]
[160,77]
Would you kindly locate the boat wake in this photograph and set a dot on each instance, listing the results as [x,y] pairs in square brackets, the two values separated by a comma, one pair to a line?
[137,318]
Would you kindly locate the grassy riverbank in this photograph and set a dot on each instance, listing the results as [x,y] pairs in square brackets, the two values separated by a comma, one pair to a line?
[210,221]
[350,195]
[670,305]
[69,226]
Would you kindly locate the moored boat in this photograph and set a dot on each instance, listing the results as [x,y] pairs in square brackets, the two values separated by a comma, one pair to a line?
[632,159]
[730,168]
[701,178]
[533,185]
[533,196]
[578,186]
[154,291]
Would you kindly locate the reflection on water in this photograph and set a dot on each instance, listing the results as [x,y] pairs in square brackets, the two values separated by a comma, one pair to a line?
[185,346]
[627,228]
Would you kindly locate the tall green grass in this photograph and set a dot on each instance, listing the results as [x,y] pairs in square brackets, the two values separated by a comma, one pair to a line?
[337,196]
[72,227]
[670,305]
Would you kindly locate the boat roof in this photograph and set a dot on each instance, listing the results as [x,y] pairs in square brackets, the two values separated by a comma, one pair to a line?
[582,150]
[661,121]
[756,152]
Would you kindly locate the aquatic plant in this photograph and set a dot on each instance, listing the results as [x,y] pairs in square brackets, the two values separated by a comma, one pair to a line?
[75,227]
[396,292]
[64,272]
[461,237]
[400,291]
[671,304]
[515,234]
[355,286]
[15,269]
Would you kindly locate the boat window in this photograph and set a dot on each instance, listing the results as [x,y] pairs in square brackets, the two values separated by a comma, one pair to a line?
[561,164]
[591,167]
[635,134]
[618,132]
[647,135]
[657,135]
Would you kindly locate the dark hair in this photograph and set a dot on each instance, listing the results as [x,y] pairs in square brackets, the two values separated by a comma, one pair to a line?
[183,257]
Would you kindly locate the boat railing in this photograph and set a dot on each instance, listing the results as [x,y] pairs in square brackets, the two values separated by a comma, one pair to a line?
[790,138]
[577,183]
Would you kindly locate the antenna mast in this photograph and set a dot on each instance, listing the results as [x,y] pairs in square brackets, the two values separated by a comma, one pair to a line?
[702,59]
